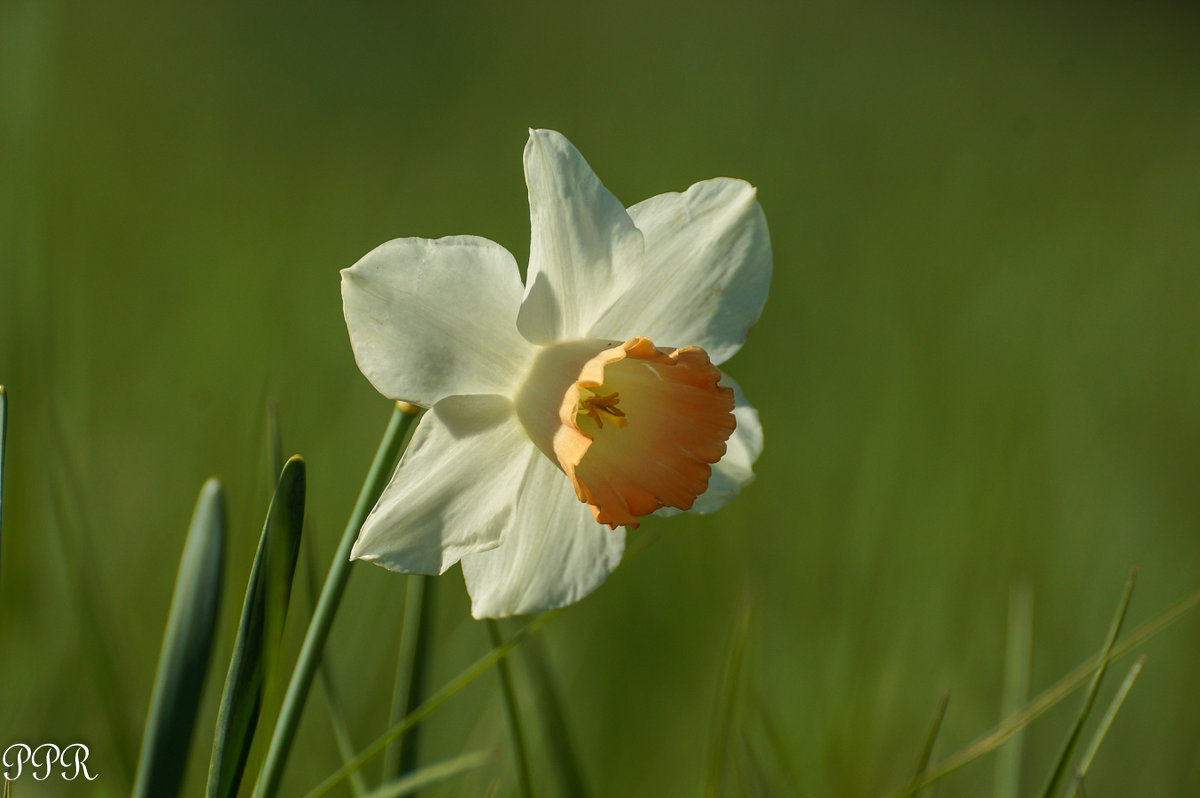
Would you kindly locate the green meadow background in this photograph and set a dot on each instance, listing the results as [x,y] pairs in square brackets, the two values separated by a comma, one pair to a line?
[977,367]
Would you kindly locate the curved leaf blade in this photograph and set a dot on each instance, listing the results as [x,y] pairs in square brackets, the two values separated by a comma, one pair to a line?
[259,631]
[186,650]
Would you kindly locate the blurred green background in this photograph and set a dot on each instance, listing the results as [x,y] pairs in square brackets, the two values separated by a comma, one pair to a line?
[977,366]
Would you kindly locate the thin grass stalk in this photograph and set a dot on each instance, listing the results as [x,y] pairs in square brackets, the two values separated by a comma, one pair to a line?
[1106,721]
[723,717]
[1089,699]
[775,743]
[556,730]
[431,704]
[313,647]
[935,728]
[1050,697]
[1017,660]
[412,665]
[513,712]
[753,778]
[333,702]
[341,732]
[73,534]
[432,774]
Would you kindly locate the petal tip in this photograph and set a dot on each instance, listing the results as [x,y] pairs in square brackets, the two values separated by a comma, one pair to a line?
[358,551]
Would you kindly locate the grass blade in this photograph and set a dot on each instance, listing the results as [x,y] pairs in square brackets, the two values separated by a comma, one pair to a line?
[311,652]
[935,728]
[723,719]
[432,774]
[259,631]
[1017,660]
[1050,697]
[412,663]
[448,691]
[1089,698]
[1110,714]
[556,729]
[513,711]
[187,646]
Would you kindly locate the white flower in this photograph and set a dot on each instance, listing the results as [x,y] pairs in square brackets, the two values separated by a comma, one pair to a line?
[561,411]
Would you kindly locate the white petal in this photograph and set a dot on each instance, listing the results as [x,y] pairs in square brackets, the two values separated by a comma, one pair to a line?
[454,491]
[553,552]
[434,318]
[584,250]
[707,269]
[735,469]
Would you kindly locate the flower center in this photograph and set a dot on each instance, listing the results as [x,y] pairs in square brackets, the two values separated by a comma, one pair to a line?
[600,408]
[635,427]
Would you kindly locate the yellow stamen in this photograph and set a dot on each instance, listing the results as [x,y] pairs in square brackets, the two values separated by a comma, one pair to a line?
[602,407]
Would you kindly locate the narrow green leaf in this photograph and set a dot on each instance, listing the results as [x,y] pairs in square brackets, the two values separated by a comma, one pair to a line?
[312,650]
[512,711]
[284,529]
[724,715]
[1017,659]
[186,650]
[555,728]
[1050,697]
[259,631]
[448,691]
[412,665]
[935,728]
[1089,698]
[1110,714]
[432,774]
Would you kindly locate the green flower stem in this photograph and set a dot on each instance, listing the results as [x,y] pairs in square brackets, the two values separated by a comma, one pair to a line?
[520,753]
[327,605]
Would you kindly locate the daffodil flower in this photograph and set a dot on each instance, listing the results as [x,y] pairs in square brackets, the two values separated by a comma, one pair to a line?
[561,411]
